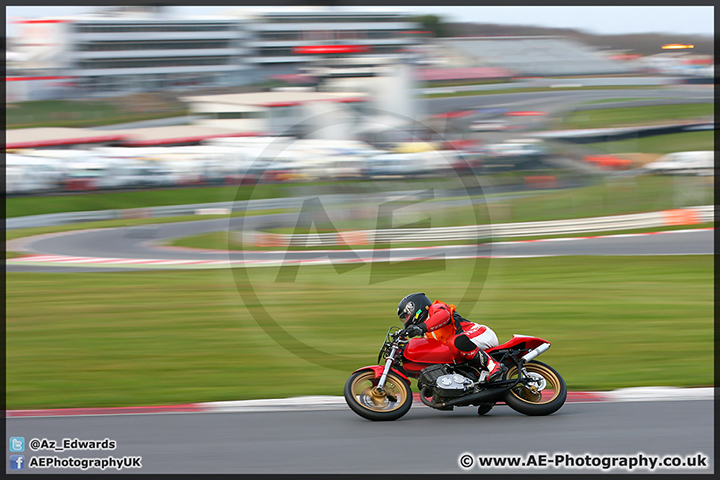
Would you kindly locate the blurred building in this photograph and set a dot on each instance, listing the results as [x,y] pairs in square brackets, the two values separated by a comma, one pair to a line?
[284,40]
[125,49]
[119,50]
[300,113]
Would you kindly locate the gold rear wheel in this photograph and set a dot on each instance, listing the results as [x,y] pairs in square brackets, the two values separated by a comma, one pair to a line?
[543,395]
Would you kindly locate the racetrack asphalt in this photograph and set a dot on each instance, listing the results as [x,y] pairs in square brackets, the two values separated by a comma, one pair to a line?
[335,440]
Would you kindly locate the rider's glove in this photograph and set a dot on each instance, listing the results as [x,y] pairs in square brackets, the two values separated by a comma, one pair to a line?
[414,331]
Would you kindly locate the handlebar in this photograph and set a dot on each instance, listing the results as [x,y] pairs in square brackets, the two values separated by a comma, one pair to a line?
[391,337]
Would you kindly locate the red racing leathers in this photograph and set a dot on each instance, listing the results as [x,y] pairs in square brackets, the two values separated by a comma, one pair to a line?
[463,337]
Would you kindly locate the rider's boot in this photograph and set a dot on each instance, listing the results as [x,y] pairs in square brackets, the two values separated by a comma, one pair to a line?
[495,369]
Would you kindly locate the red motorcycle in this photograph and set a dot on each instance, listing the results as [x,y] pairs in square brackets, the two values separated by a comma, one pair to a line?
[383,392]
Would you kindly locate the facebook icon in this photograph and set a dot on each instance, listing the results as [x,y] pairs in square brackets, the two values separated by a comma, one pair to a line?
[17,462]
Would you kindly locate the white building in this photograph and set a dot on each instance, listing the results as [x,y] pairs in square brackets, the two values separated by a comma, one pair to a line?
[284,39]
[118,50]
[329,115]
[124,49]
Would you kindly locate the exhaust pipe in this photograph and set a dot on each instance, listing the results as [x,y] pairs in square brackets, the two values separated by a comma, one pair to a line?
[484,396]
[535,352]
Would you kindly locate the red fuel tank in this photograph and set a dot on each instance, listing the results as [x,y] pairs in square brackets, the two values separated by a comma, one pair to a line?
[428,350]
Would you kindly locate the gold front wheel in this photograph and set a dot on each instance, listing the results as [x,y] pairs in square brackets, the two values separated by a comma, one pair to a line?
[365,399]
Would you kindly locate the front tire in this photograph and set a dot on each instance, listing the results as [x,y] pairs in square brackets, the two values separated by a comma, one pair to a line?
[363,399]
[543,396]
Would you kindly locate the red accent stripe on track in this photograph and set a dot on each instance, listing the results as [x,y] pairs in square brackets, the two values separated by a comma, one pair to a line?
[190,407]
[199,407]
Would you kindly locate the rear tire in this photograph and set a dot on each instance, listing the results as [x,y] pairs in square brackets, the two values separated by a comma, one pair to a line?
[549,394]
[365,401]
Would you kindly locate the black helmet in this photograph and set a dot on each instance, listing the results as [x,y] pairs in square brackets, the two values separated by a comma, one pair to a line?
[413,309]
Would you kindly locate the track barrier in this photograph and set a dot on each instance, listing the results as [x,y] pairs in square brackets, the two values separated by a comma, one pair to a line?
[681,216]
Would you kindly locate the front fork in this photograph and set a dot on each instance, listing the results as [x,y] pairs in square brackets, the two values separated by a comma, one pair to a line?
[389,360]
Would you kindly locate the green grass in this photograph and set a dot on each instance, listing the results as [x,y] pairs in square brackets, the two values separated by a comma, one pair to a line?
[617,117]
[533,90]
[90,113]
[661,144]
[463,83]
[210,241]
[613,197]
[609,197]
[623,99]
[21,206]
[166,337]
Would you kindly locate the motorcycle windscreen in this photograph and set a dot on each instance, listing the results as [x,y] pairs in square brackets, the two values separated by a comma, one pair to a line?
[428,350]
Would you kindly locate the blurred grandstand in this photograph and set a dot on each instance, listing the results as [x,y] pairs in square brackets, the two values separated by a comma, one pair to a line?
[528,56]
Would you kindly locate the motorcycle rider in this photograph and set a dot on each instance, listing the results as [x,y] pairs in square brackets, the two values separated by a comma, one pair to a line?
[467,340]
